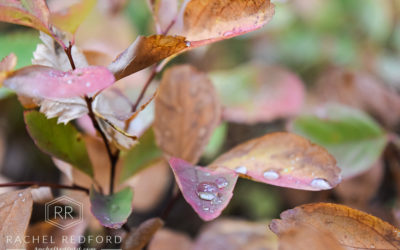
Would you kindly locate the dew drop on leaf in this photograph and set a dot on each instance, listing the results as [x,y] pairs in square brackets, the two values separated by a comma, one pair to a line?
[271,175]
[241,170]
[207,190]
[320,184]
[221,182]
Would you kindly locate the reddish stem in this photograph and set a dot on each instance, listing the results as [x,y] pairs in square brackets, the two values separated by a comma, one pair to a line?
[44,184]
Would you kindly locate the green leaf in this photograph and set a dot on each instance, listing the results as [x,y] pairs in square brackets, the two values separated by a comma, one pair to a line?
[61,141]
[350,135]
[140,156]
[112,210]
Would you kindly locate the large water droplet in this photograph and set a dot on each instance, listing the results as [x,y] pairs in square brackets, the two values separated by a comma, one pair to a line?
[241,170]
[221,182]
[207,190]
[320,183]
[271,175]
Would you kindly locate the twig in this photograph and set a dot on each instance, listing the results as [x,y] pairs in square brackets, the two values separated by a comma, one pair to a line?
[170,205]
[44,184]
[68,51]
[146,85]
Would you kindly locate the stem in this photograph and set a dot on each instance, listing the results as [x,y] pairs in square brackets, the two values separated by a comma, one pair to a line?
[68,51]
[170,205]
[44,184]
[145,87]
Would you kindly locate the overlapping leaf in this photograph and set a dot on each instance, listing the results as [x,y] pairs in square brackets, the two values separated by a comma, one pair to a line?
[7,64]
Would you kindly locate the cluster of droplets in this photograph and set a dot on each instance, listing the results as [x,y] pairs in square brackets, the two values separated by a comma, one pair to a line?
[211,191]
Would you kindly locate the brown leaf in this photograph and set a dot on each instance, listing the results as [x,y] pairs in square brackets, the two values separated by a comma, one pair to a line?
[166,239]
[7,64]
[139,238]
[15,213]
[41,194]
[186,113]
[352,228]
[144,52]
[164,13]
[283,159]
[235,235]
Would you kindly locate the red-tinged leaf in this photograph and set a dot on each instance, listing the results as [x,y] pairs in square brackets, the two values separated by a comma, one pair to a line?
[112,210]
[283,159]
[146,51]
[32,13]
[46,82]
[164,13]
[69,19]
[255,93]
[206,21]
[207,191]
[7,64]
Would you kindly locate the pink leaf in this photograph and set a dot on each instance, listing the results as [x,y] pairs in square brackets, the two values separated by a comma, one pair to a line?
[207,191]
[45,82]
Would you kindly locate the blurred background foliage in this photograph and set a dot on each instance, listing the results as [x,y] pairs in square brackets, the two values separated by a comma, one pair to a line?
[306,36]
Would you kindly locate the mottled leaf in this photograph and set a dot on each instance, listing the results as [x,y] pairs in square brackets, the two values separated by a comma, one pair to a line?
[112,210]
[352,228]
[144,52]
[282,159]
[186,113]
[7,64]
[61,141]
[45,82]
[255,93]
[140,237]
[350,135]
[207,191]
[15,213]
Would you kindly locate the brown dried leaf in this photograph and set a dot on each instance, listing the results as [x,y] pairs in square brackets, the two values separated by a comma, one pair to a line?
[166,239]
[352,228]
[144,52]
[139,238]
[283,159]
[15,213]
[187,111]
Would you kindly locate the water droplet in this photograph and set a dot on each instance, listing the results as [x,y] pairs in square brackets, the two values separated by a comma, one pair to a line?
[20,194]
[271,175]
[206,208]
[241,170]
[88,84]
[23,200]
[216,201]
[221,182]
[320,183]
[188,44]
[69,81]
[207,190]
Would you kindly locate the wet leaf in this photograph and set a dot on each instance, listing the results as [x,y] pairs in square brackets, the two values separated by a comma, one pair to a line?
[32,13]
[350,135]
[144,52]
[61,141]
[69,19]
[112,210]
[45,82]
[352,228]
[282,159]
[255,93]
[140,237]
[207,191]
[206,21]
[186,113]
[15,213]
[7,64]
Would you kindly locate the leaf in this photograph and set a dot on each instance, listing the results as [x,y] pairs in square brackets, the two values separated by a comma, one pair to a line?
[207,191]
[45,82]
[61,141]
[216,142]
[140,156]
[164,13]
[206,21]
[32,13]
[139,238]
[15,213]
[282,159]
[186,113]
[255,92]
[66,109]
[7,64]
[144,52]
[112,210]
[350,135]
[352,228]
[69,19]
[166,239]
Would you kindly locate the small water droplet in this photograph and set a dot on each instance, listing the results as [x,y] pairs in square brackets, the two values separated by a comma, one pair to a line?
[320,183]
[271,175]
[207,174]
[20,194]
[241,170]
[23,200]
[221,182]
[206,208]
[216,201]
[188,44]
[207,190]
[69,81]
[88,84]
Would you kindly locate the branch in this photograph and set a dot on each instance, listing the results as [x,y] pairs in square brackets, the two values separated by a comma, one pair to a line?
[44,184]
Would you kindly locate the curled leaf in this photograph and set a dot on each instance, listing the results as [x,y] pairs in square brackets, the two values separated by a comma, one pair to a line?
[282,159]
[187,111]
[144,52]
[352,228]
[45,82]
[7,64]
[111,210]
[141,236]
[207,191]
